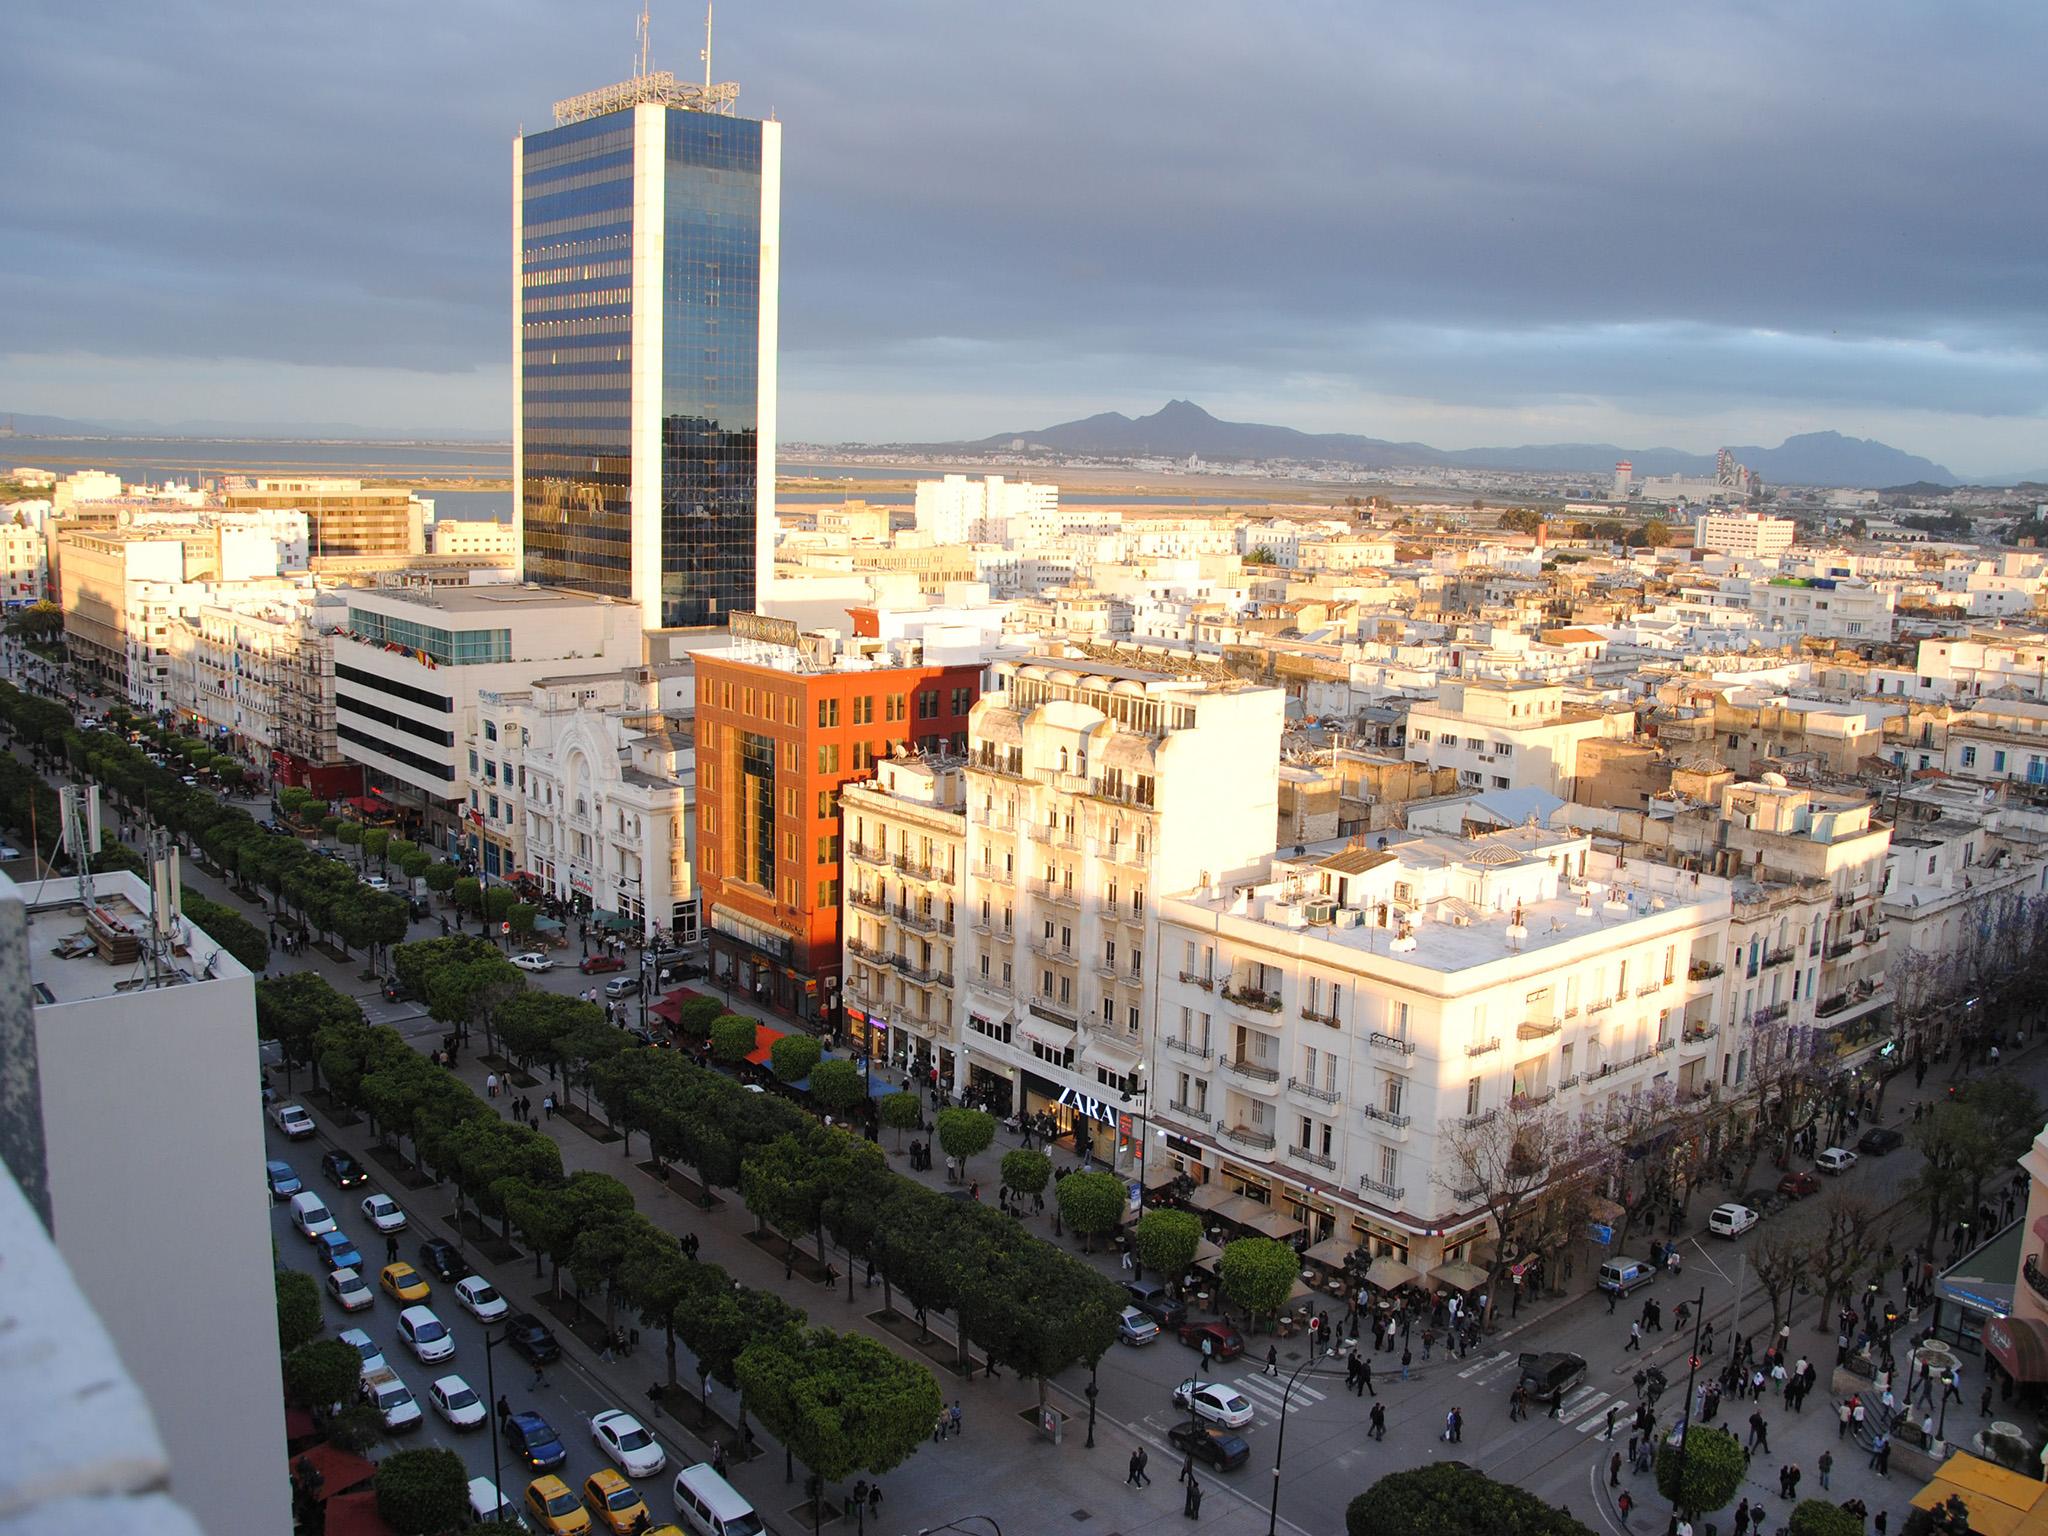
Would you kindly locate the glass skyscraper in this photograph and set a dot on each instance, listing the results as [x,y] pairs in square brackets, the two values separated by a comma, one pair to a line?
[645,248]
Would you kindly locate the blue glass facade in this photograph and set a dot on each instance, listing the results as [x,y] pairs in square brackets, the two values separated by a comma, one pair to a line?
[576,353]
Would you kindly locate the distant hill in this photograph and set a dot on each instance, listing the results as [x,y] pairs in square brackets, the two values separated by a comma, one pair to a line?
[27,424]
[1181,428]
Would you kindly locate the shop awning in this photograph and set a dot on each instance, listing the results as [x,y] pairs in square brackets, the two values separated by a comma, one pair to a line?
[1389,1274]
[1457,1276]
[2020,1344]
[764,1044]
[1331,1252]
[1272,1223]
[339,1470]
[2041,1226]
[1206,1252]
[1207,1197]
[1059,1037]
[1159,1173]
[355,1514]
[546,925]
[1240,1210]
[669,1009]
[2001,1502]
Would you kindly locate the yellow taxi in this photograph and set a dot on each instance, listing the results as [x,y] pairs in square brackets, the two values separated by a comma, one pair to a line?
[402,1282]
[555,1507]
[617,1502]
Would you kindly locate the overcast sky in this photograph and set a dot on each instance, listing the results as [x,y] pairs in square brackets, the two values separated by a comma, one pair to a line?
[1472,225]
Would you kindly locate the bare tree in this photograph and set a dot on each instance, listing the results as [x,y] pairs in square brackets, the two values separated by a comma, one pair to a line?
[1844,1243]
[1503,1160]
[1783,1262]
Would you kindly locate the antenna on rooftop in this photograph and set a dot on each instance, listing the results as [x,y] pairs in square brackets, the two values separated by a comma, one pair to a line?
[642,31]
[707,44]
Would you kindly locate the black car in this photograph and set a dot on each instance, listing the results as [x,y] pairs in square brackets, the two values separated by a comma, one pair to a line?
[1880,1139]
[439,1259]
[343,1171]
[1156,1303]
[394,990]
[1217,1447]
[1548,1376]
[532,1338]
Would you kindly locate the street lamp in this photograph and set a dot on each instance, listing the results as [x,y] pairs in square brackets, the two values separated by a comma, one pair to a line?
[1091,1409]
[491,1387]
[1144,1128]
[1315,1339]
[1699,1318]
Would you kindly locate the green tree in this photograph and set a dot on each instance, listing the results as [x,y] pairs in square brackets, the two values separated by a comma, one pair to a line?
[293,1008]
[902,1112]
[377,845]
[1450,1499]
[840,1402]
[1714,1466]
[587,1046]
[498,902]
[963,1133]
[837,1086]
[423,1492]
[1258,1274]
[1025,1170]
[441,878]
[298,1309]
[1091,1203]
[784,1186]
[227,928]
[549,1216]
[726,1318]
[657,1278]
[1032,1307]
[793,1056]
[322,1372]
[521,915]
[1821,1517]
[1656,535]
[1167,1241]
[358,1427]
[469,893]
[349,834]
[697,1014]
[732,1038]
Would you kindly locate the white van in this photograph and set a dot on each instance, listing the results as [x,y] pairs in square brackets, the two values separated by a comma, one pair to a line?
[311,1216]
[711,1506]
[392,1399]
[486,1503]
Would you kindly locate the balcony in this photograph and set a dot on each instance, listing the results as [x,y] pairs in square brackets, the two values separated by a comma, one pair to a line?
[1252,997]
[1105,966]
[1537,1029]
[1049,1012]
[1199,1053]
[869,901]
[1472,1122]
[1650,989]
[1305,1085]
[872,953]
[922,922]
[1481,1047]
[1840,948]
[1572,1081]
[1313,1017]
[995,821]
[1667,1044]
[1773,1013]
[1535,1099]
[1600,1005]
[1394,1043]
[1250,1136]
[1776,957]
[920,869]
[1249,1069]
[1045,949]
[1310,1155]
[865,853]
[1188,1112]
[1375,1187]
[1385,1116]
[1194,978]
[1052,890]
[2038,1281]
[1697,1033]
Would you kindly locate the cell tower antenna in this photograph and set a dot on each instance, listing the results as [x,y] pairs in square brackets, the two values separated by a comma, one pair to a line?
[646,27]
[707,44]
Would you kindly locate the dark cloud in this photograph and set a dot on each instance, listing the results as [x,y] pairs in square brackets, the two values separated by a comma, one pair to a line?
[1833,207]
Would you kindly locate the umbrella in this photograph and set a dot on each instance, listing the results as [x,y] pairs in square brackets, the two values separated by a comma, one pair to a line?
[1332,1252]
[1388,1273]
[1458,1276]
[1206,1197]
[1271,1223]
[1206,1252]
[1240,1210]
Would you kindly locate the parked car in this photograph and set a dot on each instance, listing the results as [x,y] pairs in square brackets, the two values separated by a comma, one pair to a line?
[1215,1447]
[293,1120]
[1156,1302]
[384,1213]
[392,1399]
[594,965]
[626,1441]
[456,1401]
[534,1441]
[1879,1140]
[1134,1327]
[1219,1341]
[364,1346]
[377,883]
[439,1258]
[1215,1401]
[343,1171]
[1835,1160]
[1548,1376]
[1798,1184]
[283,1182]
[480,1299]
[534,960]
[1730,1220]
[532,1338]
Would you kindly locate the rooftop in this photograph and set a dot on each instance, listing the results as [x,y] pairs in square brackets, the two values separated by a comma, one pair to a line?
[110,957]
[501,597]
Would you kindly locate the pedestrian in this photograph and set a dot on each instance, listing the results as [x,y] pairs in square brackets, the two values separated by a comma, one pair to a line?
[1612,1410]
[1614,1470]
[1406,1360]
[875,1500]
[718,1457]
[955,1425]
[1624,1506]
[1792,1476]
[1842,1415]
[504,1408]
[1127,1253]
[1742,1517]
[547,1106]
[1882,1518]
[1135,1477]
[1635,1338]
[1365,1376]
[491,1085]
[1759,1433]
[1272,1351]
[390,1250]
[1378,1422]
[1191,1506]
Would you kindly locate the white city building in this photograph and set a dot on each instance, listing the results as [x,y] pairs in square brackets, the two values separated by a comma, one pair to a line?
[472,538]
[1091,788]
[1747,535]
[1327,1028]
[959,510]
[1509,733]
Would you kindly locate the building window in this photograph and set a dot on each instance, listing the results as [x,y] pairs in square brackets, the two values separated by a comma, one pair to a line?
[828,757]
[1390,1167]
[864,710]
[963,700]
[1472,1097]
[928,704]
[893,709]
[828,713]
[828,892]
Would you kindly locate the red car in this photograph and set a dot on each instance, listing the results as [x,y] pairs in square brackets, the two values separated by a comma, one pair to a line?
[1222,1341]
[1799,1184]
[593,964]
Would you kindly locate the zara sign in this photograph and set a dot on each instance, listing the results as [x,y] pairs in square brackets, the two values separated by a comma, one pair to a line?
[1093,1109]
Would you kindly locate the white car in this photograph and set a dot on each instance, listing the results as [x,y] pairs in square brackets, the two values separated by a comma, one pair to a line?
[364,1345]
[456,1401]
[293,1120]
[348,1288]
[480,1299]
[425,1334]
[1731,1220]
[384,1213]
[9,851]
[534,960]
[392,1399]
[377,882]
[1215,1402]
[626,1440]
[1835,1160]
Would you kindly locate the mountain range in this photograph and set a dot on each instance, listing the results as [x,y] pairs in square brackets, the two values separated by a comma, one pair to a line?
[1181,428]
[28,424]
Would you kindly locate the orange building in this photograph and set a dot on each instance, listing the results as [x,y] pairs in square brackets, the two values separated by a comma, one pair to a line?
[779,729]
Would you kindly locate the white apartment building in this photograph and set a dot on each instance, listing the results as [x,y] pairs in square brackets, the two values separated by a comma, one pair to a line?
[1824,607]
[135,1110]
[410,662]
[1998,738]
[959,510]
[1326,1028]
[242,657]
[1990,662]
[1346,552]
[1747,535]
[1090,789]
[24,555]
[471,538]
[1502,733]
[906,868]
[1162,538]
[588,783]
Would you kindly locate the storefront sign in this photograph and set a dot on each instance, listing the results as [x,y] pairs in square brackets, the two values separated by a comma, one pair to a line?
[1082,1104]
[764,630]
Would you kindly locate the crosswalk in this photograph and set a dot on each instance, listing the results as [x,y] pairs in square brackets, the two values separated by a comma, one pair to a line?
[1584,1408]
[1265,1393]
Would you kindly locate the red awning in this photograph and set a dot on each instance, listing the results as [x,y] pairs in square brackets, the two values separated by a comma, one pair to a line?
[298,1425]
[2041,1226]
[764,1044]
[339,1470]
[668,1010]
[2020,1345]
[355,1514]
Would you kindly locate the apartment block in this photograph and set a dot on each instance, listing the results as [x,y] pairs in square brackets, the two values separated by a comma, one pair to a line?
[1508,734]
[344,517]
